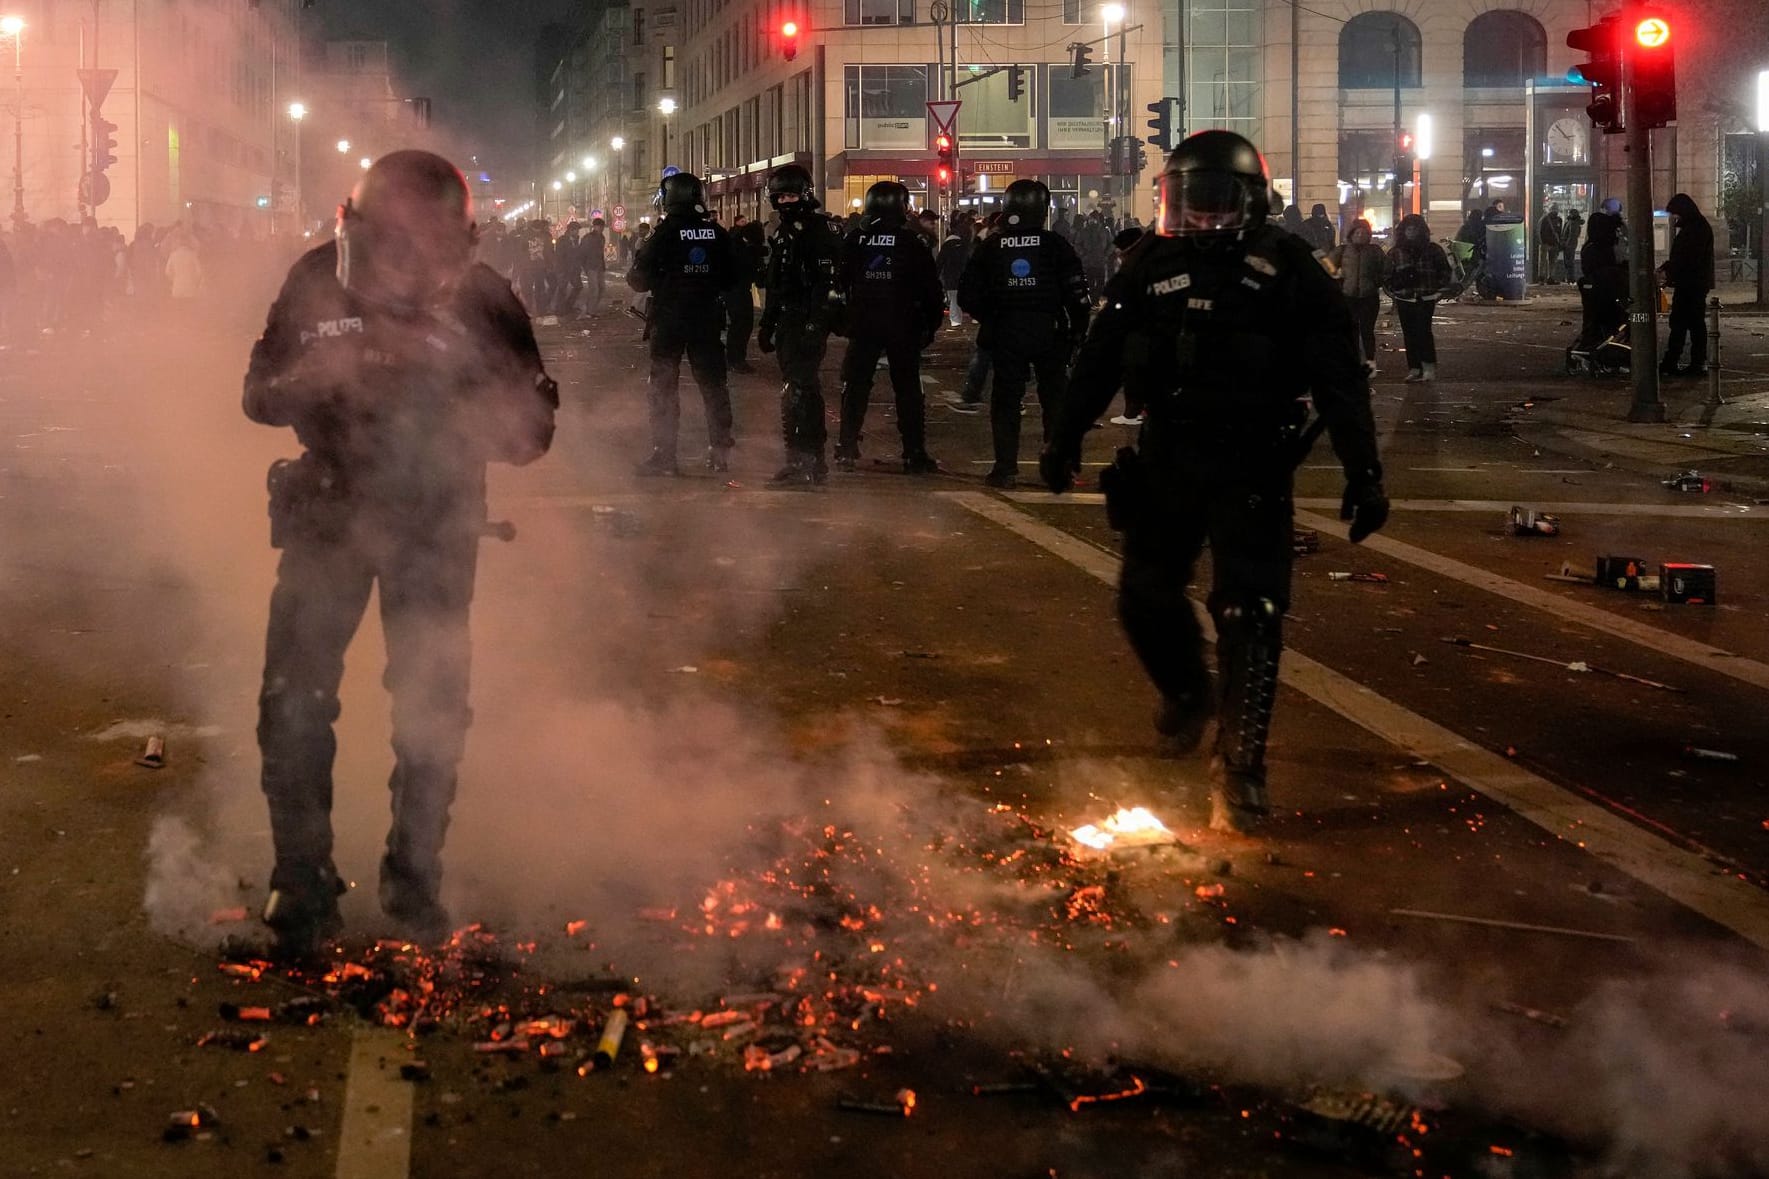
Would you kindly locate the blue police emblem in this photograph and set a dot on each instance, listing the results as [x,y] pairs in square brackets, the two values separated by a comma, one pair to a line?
[697,255]
[878,262]
[1021,267]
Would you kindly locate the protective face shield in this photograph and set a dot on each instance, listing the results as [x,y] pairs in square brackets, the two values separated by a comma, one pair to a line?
[1026,204]
[887,202]
[406,235]
[1215,185]
[790,187]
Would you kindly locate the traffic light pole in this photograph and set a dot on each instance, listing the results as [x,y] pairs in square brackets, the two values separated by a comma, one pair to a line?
[1643,316]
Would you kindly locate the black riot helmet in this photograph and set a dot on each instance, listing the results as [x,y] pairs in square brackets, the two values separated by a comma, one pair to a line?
[887,202]
[1215,185]
[790,184]
[681,195]
[406,234]
[1026,205]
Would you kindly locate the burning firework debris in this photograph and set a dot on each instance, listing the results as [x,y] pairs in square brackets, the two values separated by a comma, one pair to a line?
[185,1124]
[239,1039]
[901,1105]
[1373,1129]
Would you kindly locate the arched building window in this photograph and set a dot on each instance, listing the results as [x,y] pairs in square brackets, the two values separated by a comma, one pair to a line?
[1503,48]
[1373,46]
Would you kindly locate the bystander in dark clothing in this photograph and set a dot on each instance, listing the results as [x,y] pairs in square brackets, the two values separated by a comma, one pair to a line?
[1318,229]
[1415,274]
[1570,229]
[1548,244]
[1689,272]
[1360,263]
[747,250]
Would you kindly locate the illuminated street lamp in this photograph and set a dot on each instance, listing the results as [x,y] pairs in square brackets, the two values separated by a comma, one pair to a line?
[298,112]
[617,145]
[14,27]
[667,107]
[343,147]
[571,178]
[366,163]
[589,163]
[1116,14]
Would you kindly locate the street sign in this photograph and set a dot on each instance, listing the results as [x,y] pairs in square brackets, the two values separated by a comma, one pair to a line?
[669,171]
[620,211]
[944,113]
[996,167]
[95,189]
[97,84]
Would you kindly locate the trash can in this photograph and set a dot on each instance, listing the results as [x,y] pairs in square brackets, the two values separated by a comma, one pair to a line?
[1507,257]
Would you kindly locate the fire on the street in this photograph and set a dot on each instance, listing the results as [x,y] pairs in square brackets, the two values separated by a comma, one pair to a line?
[1129,827]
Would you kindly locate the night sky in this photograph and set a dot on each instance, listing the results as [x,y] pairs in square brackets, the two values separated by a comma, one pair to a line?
[473,58]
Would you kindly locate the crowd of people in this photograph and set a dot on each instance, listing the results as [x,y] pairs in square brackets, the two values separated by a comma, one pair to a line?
[61,278]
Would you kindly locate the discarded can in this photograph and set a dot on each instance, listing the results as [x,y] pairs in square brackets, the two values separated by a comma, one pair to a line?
[1530,522]
[1692,481]
[153,757]
[1685,584]
[1372,578]
[608,1047]
[1700,754]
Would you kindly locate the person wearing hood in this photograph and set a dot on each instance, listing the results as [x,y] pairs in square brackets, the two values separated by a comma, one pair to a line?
[954,253]
[1293,222]
[1603,282]
[1570,229]
[1318,229]
[1415,275]
[1359,263]
[1689,272]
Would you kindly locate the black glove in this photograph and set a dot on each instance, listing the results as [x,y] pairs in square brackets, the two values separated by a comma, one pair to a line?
[1366,506]
[765,337]
[1058,470]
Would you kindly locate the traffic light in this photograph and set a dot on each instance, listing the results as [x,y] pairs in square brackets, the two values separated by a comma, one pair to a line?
[1081,56]
[1603,71]
[943,164]
[1161,126]
[104,143]
[1016,82]
[1403,158]
[789,39]
[1655,70]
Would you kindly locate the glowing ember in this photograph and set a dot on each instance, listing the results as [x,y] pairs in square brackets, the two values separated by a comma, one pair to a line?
[1130,827]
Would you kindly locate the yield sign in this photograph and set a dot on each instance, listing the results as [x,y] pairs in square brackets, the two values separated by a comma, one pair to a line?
[97,84]
[944,113]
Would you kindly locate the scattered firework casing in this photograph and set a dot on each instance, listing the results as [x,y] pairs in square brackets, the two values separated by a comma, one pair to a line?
[1700,754]
[153,756]
[1681,583]
[1689,481]
[900,1106]
[719,1019]
[511,1047]
[1623,573]
[1372,578]
[1304,541]
[608,1047]
[245,1014]
[1530,522]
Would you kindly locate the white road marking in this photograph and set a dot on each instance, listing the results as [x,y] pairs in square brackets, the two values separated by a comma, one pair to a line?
[375,1141]
[1683,876]
[1691,651]
[1708,511]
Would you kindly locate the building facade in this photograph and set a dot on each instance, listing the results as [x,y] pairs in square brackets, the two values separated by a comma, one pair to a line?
[190,91]
[1326,89]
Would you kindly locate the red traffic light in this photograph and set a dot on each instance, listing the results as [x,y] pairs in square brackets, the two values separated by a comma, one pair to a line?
[1654,32]
[943,142]
[789,39]
[789,29]
[1406,141]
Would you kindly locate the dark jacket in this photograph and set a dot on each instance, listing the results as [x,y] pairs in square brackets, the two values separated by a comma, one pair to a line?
[1415,272]
[403,412]
[890,281]
[747,249]
[1319,231]
[954,253]
[593,250]
[1691,264]
[1360,266]
[1026,288]
[686,266]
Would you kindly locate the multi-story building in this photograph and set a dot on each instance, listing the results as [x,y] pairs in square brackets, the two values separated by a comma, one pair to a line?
[1325,88]
[191,92]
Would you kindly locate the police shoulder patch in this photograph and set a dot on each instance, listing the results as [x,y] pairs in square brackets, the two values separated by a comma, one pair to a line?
[1326,263]
[1263,265]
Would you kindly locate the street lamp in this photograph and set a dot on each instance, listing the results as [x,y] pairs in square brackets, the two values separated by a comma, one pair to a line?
[298,112]
[1422,153]
[366,163]
[1116,14]
[667,106]
[14,27]
[617,145]
[1486,153]
[1762,186]
[343,147]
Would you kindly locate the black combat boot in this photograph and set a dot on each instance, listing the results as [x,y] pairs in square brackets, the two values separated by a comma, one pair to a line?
[1249,639]
[659,465]
[920,462]
[302,909]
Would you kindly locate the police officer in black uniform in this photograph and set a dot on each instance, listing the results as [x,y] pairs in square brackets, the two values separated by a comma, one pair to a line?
[1226,322]
[1026,287]
[894,306]
[686,267]
[796,318]
[403,369]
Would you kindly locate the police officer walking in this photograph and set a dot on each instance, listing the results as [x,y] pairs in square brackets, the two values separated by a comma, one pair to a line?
[403,369]
[1226,322]
[1027,289]
[796,318]
[894,307]
[686,268]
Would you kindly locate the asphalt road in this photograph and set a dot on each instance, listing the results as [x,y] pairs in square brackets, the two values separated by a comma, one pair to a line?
[903,690]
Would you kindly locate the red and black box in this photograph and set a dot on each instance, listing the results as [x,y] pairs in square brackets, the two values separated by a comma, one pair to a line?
[1621,573]
[1686,584]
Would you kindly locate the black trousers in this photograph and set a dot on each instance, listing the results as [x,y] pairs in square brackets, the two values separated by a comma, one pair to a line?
[800,340]
[1239,504]
[322,590]
[1685,322]
[740,318]
[1415,330]
[1366,308]
[1014,365]
[859,364]
[697,337]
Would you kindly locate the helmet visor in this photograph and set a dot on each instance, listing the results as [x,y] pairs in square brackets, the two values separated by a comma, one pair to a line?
[1195,203]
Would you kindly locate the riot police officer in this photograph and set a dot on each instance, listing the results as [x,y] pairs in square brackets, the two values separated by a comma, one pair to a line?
[797,317]
[894,306]
[686,267]
[403,369]
[1026,287]
[1226,322]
